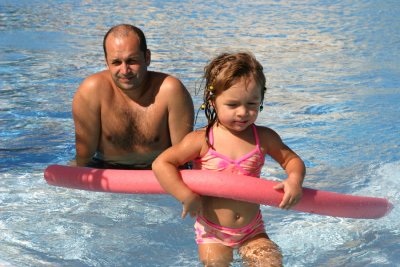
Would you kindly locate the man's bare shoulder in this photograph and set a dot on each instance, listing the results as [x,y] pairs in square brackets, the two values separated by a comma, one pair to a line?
[168,83]
[96,81]
[92,89]
[172,86]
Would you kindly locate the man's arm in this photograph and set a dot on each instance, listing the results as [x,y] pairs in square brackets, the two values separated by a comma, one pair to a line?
[180,111]
[87,120]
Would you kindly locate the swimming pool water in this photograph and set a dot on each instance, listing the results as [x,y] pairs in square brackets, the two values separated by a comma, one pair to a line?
[333,71]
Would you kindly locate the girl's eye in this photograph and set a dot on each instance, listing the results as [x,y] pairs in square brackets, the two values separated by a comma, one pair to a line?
[231,105]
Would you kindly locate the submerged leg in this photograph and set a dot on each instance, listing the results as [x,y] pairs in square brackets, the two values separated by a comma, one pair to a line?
[260,251]
[215,255]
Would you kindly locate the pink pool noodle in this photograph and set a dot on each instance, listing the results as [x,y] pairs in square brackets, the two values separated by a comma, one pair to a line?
[218,184]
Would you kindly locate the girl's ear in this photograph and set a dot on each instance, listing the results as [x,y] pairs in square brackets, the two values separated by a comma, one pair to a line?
[212,102]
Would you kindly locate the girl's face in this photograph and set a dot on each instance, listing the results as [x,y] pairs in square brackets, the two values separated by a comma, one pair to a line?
[237,107]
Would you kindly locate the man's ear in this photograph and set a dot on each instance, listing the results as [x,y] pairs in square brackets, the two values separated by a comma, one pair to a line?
[148,57]
[106,62]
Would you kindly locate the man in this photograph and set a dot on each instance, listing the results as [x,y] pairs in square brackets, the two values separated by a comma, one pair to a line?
[126,115]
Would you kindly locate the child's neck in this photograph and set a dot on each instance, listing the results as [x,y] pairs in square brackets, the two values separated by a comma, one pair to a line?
[233,144]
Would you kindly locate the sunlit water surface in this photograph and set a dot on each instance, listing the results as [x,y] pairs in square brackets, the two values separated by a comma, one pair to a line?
[333,71]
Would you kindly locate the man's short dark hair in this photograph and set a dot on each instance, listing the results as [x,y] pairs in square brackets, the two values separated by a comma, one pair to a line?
[124,30]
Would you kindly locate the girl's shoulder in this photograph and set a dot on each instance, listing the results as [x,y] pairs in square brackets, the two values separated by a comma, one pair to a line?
[265,131]
[198,133]
[196,137]
[196,140]
[268,137]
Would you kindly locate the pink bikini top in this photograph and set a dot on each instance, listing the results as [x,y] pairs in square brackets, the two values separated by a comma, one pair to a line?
[250,164]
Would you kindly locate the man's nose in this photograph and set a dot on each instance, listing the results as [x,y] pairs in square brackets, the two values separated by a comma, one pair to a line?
[124,68]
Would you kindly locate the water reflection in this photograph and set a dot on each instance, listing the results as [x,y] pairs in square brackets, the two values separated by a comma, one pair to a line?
[333,94]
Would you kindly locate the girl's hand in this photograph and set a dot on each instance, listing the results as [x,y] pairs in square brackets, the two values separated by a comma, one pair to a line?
[292,193]
[192,205]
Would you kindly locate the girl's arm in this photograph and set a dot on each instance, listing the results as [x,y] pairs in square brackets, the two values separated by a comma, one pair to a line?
[290,162]
[166,170]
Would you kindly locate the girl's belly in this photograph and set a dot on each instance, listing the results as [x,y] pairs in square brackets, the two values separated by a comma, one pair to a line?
[228,212]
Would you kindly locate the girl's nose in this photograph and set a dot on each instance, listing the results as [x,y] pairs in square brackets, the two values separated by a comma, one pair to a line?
[242,111]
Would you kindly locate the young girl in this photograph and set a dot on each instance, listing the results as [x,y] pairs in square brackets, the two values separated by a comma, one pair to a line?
[231,142]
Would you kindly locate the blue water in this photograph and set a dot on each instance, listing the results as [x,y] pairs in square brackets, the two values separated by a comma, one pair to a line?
[333,71]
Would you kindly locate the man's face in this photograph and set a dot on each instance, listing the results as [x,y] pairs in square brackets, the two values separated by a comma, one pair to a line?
[126,62]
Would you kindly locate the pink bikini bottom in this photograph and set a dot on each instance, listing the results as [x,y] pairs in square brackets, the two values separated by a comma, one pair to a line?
[208,232]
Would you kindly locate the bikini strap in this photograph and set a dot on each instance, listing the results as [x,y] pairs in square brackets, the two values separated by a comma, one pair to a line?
[211,136]
[255,132]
